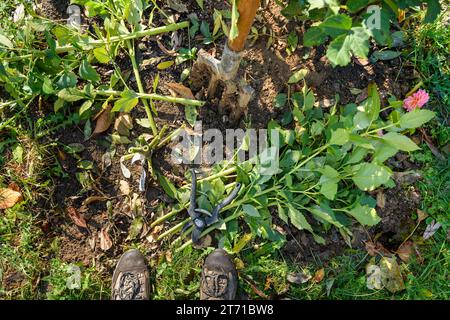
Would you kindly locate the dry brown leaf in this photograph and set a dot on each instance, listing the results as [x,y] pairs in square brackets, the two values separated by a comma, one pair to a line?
[169,256]
[76,217]
[421,215]
[373,248]
[9,197]
[124,187]
[123,124]
[179,90]
[370,248]
[62,155]
[405,250]
[361,61]
[14,186]
[105,240]
[125,120]
[268,283]
[104,120]
[165,50]
[381,199]
[318,276]
[91,241]
[92,199]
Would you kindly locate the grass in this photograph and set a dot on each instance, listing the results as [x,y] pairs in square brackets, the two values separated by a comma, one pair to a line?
[430,45]
[29,269]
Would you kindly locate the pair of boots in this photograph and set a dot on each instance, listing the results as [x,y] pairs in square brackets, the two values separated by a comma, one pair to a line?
[131,279]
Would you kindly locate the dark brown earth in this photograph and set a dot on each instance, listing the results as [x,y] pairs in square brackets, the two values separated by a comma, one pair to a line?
[267,71]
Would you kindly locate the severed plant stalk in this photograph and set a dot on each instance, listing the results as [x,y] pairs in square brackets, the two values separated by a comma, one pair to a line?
[154,96]
[98,43]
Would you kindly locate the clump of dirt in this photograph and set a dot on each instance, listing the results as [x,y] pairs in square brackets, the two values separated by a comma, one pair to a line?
[54,9]
[396,222]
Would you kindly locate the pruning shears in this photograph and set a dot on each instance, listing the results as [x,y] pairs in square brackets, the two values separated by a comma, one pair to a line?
[201,218]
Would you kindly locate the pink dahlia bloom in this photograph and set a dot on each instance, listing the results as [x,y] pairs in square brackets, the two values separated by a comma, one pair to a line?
[416,100]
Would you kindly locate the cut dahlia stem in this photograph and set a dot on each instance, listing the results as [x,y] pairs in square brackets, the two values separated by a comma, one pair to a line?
[132,53]
[154,96]
[99,43]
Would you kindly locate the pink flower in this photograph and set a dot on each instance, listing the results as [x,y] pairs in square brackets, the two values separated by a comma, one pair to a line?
[416,100]
[380,133]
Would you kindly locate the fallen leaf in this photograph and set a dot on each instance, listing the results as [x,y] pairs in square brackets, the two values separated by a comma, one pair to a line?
[92,199]
[125,171]
[154,234]
[391,277]
[9,197]
[318,276]
[14,186]
[106,160]
[381,199]
[405,250]
[76,217]
[373,248]
[298,278]
[179,90]
[104,120]
[177,5]
[105,240]
[123,124]
[361,61]
[91,241]
[124,187]
[370,248]
[168,255]
[431,229]
[268,283]
[421,215]
[62,155]
[373,273]
[165,50]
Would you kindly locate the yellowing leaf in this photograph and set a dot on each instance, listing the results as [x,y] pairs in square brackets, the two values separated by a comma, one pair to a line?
[9,198]
[421,215]
[318,276]
[391,276]
[165,65]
